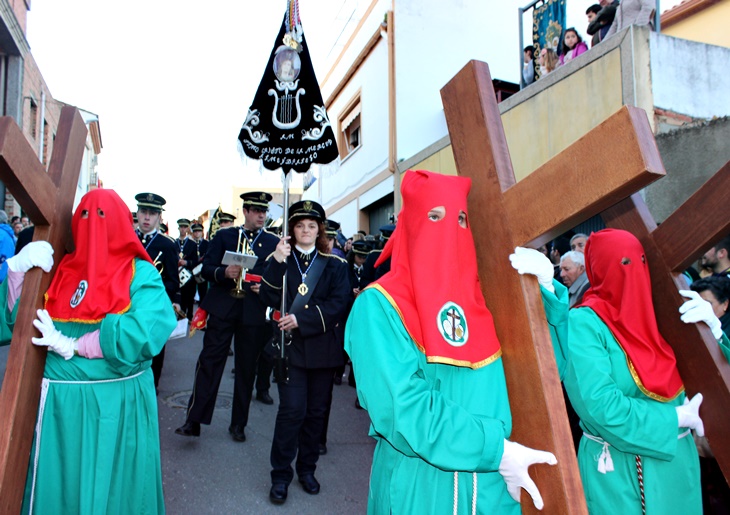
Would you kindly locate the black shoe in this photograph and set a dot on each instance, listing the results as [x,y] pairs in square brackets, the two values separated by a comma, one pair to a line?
[278,492]
[233,371]
[357,403]
[189,429]
[322,449]
[237,433]
[310,485]
[264,397]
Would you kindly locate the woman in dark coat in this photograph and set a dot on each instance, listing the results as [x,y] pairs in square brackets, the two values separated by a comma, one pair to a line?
[315,351]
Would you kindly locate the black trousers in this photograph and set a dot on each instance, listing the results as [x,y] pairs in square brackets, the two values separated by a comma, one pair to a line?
[202,290]
[248,343]
[263,371]
[187,298]
[303,402]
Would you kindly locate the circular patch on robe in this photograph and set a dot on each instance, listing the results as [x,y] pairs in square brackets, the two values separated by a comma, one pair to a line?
[451,321]
[79,294]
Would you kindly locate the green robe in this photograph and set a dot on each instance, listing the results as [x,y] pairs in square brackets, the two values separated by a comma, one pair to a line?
[612,407]
[98,448]
[724,344]
[434,424]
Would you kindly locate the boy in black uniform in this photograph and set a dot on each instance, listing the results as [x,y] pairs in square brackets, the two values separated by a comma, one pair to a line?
[229,317]
[201,245]
[187,259]
[163,253]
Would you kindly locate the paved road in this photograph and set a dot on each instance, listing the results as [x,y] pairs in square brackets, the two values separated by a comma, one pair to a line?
[214,475]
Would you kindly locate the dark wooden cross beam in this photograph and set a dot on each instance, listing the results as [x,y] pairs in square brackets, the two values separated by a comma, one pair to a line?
[47,198]
[581,181]
[670,249]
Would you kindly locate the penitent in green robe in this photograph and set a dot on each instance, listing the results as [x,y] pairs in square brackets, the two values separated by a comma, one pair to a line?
[97,444]
[439,428]
[613,409]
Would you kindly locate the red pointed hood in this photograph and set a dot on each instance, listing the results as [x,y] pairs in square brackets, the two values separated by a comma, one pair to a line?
[433,280]
[94,279]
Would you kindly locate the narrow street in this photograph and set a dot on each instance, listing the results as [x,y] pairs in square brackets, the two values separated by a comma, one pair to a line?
[214,474]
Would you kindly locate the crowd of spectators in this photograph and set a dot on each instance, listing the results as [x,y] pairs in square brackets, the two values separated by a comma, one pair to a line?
[605,18]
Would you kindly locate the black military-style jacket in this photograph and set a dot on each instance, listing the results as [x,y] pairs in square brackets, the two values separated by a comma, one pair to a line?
[187,250]
[201,247]
[163,252]
[218,300]
[314,342]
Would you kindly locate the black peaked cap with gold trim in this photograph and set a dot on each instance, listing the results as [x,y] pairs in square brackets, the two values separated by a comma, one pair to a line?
[387,230]
[307,209]
[256,199]
[150,201]
[361,248]
[332,227]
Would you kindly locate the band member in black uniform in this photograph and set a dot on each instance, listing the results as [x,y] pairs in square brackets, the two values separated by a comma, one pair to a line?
[187,259]
[201,247]
[355,264]
[370,272]
[333,247]
[315,351]
[225,219]
[331,227]
[163,253]
[240,317]
[265,365]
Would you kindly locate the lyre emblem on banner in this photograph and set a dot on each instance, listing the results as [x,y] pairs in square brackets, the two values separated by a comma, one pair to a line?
[287,65]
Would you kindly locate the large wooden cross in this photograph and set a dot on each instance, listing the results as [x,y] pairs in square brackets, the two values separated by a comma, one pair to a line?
[47,198]
[670,249]
[505,213]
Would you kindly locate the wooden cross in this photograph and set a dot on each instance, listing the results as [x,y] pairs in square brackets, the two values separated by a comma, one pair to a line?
[47,198]
[504,214]
[670,249]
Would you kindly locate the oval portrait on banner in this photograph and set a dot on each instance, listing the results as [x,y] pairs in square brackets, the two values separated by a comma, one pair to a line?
[287,64]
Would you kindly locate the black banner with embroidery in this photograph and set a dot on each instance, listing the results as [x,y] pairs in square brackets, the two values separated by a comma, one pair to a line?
[287,125]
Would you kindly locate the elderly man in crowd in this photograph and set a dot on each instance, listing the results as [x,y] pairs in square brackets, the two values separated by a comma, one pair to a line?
[573,273]
[578,242]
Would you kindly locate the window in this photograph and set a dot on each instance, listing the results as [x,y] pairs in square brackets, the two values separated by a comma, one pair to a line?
[46,146]
[350,135]
[33,119]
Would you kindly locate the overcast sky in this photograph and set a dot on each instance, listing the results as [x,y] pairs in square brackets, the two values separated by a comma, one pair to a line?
[171,81]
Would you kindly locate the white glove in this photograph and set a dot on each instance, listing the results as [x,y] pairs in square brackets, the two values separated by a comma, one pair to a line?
[698,309]
[688,415]
[52,337]
[531,261]
[516,459]
[36,253]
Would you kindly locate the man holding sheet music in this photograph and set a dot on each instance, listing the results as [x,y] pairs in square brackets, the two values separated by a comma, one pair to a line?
[234,310]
